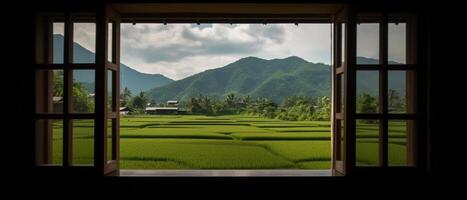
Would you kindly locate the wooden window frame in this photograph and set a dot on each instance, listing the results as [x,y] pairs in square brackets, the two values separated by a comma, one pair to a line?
[44,57]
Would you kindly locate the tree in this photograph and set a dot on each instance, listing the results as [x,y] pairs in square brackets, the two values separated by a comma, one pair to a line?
[139,102]
[82,101]
[395,102]
[125,97]
[58,83]
[367,104]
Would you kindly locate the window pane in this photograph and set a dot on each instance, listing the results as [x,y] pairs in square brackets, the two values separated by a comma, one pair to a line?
[367,92]
[49,138]
[49,91]
[399,144]
[109,42]
[367,142]
[340,140]
[340,93]
[397,96]
[110,94]
[109,141]
[83,142]
[83,91]
[368,43]
[343,44]
[396,43]
[84,42]
[58,42]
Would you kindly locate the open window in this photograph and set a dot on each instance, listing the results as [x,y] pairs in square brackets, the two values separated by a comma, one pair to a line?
[76,93]
[375,90]
[377,120]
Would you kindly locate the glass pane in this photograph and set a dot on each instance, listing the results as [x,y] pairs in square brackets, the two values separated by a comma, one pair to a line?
[58,42]
[367,92]
[368,43]
[109,138]
[397,96]
[396,43]
[340,93]
[83,142]
[57,142]
[340,140]
[49,139]
[109,42]
[49,91]
[343,44]
[110,94]
[83,91]
[84,42]
[398,146]
[367,142]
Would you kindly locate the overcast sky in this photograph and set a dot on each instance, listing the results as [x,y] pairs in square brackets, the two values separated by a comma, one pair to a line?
[181,50]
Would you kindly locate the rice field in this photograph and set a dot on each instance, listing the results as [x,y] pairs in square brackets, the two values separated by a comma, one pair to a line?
[225,142]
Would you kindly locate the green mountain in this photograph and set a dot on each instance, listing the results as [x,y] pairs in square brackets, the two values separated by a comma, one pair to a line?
[274,79]
[134,80]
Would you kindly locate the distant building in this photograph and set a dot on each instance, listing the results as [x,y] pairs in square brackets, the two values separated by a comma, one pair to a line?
[125,110]
[161,110]
[172,103]
[57,104]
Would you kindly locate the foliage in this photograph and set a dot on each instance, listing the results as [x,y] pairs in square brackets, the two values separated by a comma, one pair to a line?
[125,97]
[139,103]
[396,103]
[367,103]
[82,100]
[294,108]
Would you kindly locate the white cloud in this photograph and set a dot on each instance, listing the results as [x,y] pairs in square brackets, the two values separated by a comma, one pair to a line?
[180,50]
[83,34]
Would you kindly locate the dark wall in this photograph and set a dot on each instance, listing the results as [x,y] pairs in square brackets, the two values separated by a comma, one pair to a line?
[445,90]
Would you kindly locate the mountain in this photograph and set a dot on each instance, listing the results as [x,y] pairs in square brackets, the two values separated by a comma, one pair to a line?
[368,81]
[274,79]
[134,80]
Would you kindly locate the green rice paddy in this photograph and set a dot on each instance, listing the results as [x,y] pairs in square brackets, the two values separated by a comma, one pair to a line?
[226,142]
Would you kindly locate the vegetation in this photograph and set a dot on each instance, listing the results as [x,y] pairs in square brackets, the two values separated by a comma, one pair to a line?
[294,108]
[82,100]
[273,79]
[139,103]
[228,142]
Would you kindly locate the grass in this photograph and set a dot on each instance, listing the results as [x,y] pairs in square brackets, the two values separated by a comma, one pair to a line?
[226,142]
[223,142]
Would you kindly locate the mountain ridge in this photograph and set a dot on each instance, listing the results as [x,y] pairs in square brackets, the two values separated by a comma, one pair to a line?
[274,79]
[135,81]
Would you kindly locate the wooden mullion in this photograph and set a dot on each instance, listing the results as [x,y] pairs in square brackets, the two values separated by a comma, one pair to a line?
[334,125]
[383,75]
[350,90]
[65,66]
[100,123]
[116,86]
[68,92]
[369,116]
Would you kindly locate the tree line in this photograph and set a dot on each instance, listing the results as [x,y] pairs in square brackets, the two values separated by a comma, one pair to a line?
[293,108]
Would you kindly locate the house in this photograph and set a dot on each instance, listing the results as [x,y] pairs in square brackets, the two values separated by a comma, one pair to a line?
[172,103]
[57,104]
[161,110]
[125,110]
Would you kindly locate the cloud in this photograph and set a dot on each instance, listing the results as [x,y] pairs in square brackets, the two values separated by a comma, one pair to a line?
[181,50]
[83,34]
[170,43]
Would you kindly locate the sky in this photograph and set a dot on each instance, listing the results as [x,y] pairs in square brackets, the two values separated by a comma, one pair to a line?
[181,50]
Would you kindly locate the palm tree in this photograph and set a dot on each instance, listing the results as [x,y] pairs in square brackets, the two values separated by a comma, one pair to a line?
[125,96]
